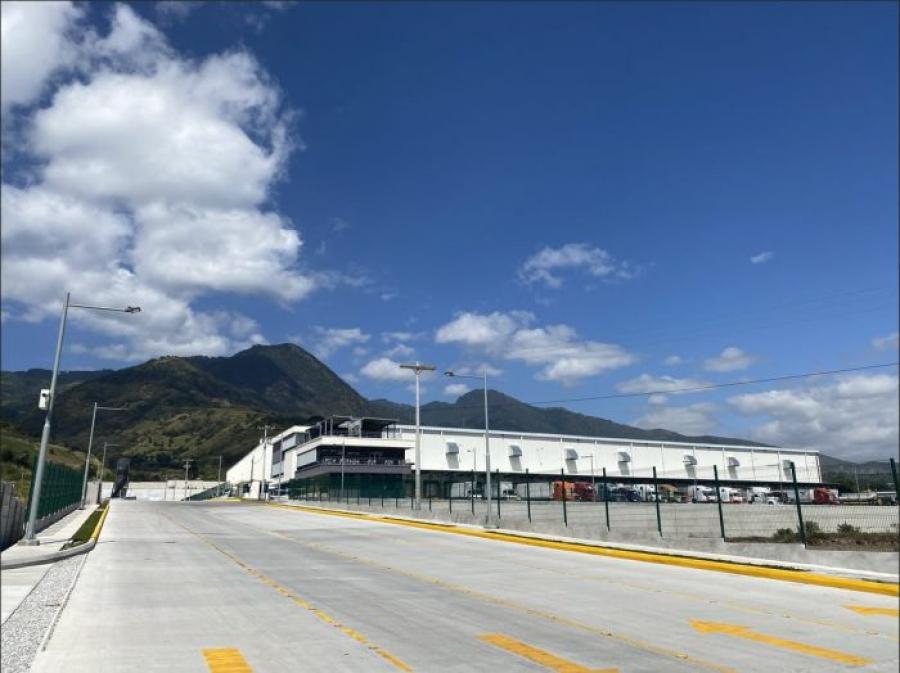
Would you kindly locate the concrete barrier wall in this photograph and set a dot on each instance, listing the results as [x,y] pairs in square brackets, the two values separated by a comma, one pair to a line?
[636,520]
[12,515]
[174,489]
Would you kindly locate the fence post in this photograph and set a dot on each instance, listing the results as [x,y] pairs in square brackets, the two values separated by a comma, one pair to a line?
[382,495]
[606,499]
[450,498]
[429,501]
[656,498]
[528,493]
[719,500]
[472,493]
[799,508]
[498,492]
[562,476]
[894,473]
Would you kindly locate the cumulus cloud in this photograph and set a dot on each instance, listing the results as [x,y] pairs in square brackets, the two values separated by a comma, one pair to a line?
[34,46]
[762,257]
[400,351]
[389,337]
[150,174]
[561,355]
[693,419]
[645,383]
[854,417]
[455,389]
[328,340]
[729,360]
[544,265]
[386,369]
[889,342]
[673,360]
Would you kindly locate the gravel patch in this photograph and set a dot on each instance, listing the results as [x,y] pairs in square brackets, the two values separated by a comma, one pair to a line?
[24,631]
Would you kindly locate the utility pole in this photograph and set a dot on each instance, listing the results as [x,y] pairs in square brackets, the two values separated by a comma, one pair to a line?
[418,368]
[265,428]
[187,464]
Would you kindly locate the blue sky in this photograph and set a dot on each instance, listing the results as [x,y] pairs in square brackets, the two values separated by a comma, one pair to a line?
[571,193]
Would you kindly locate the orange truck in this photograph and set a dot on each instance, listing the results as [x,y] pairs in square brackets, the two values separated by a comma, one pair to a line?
[581,491]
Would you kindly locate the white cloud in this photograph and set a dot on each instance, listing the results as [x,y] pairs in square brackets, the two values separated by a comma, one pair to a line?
[456,389]
[762,257]
[853,418]
[889,342]
[328,340]
[152,172]
[400,351]
[645,383]
[33,47]
[478,370]
[729,360]
[480,330]
[385,369]
[388,337]
[557,349]
[673,360]
[541,266]
[657,399]
[693,419]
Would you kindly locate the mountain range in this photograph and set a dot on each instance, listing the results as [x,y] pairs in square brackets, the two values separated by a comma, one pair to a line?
[200,408]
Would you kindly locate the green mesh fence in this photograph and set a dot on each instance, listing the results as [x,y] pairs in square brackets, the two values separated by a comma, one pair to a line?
[60,488]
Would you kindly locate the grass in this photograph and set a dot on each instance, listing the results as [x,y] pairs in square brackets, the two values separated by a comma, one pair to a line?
[17,452]
[83,534]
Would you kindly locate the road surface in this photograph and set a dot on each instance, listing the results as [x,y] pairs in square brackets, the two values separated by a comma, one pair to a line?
[231,587]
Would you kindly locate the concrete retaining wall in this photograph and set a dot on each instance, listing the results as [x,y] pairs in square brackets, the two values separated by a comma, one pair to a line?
[12,514]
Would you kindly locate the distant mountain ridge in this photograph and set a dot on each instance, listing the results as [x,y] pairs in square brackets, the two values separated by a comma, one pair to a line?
[202,407]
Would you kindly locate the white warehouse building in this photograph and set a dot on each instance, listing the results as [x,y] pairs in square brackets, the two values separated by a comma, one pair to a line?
[376,453]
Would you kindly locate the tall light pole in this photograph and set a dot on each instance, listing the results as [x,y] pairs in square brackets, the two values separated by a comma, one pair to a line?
[87,462]
[489,519]
[418,368]
[30,538]
[102,470]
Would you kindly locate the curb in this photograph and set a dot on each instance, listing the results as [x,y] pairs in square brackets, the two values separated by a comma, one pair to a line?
[762,569]
[53,557]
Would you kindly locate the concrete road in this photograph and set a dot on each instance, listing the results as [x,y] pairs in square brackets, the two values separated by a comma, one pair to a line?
[236,587]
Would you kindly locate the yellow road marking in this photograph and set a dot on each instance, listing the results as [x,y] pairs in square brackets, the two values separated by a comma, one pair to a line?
[799,576]
[866,610]
[225,660]
[328,619]
[538,656]
[519,607]
[738,631]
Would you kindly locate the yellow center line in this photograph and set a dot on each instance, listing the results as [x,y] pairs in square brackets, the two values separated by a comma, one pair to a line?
[225,660]
[738,631]
[346,630]
[799,576]
[539,656]
[512,605]
[866,610]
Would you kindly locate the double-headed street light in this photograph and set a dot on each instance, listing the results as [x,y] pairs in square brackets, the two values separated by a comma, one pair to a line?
[29,538]
[87,461]
[418,368]
[489,519]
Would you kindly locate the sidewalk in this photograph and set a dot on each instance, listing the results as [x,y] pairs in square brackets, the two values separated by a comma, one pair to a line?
[17,583]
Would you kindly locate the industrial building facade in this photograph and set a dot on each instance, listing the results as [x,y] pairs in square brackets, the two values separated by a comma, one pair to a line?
[371,455]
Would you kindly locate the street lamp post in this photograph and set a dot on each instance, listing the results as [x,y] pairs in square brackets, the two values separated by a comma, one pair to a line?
[418,368]
[103,469]
[30,538]
[489,519]
[87,462]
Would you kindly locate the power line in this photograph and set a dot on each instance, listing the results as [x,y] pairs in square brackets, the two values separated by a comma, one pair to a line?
[712,386]
[728,384]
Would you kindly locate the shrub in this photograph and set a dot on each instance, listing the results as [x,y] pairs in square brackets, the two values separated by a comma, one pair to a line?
[847,529]
[784,535]
[813,530]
